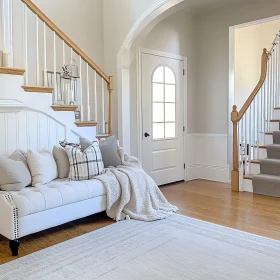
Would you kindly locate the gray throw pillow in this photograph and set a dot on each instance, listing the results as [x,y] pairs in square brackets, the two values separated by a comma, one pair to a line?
[14,172]
[62,162]
[108,148]
[109,151]
[84,143]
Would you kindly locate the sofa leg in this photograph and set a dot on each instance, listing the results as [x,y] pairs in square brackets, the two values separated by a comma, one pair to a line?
[14,244]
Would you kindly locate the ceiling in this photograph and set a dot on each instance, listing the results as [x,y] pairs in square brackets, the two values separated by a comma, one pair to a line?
[200,6]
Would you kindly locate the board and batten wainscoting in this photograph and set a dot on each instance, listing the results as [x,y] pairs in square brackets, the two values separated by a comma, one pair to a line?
[207,157]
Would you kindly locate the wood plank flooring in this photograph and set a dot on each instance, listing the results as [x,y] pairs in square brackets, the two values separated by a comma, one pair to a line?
[208,201]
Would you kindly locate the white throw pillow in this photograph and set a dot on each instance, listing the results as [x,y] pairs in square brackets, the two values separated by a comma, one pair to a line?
[14,172]
[42,167]
[84,165]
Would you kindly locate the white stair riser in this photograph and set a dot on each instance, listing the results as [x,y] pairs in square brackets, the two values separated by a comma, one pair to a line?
[276,114]
[247,185]
[255,169]
[268,139]
[274,126]
[261,154]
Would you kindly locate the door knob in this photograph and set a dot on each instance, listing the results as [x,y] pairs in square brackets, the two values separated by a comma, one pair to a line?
[146,134]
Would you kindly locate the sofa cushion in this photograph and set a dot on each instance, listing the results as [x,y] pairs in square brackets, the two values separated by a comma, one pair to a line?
[62,162]
[55,194]
[42,167]
[14,172]
[84,165]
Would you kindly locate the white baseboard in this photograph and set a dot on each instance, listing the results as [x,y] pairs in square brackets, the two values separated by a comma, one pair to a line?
[208,172]
[207,157]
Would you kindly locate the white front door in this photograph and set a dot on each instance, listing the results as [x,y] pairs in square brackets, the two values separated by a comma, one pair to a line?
[162,118]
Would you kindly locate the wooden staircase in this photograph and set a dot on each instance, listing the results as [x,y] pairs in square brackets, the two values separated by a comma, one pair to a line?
[91,99]
[254,129]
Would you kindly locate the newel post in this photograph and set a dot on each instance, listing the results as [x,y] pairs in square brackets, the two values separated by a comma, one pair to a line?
[235,166]
[110,89]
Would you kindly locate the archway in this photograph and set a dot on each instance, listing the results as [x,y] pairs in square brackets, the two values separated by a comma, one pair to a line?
[129,48]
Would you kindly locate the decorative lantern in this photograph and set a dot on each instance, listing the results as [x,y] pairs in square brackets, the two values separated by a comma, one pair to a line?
[72,69]
[69,82]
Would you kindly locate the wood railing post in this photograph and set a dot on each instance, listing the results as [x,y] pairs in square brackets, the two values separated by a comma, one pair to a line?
[110,118]
[235,167]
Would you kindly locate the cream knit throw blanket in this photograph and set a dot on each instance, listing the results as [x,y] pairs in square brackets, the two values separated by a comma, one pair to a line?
[131,193]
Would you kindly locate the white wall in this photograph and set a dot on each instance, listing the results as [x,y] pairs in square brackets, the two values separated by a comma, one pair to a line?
[82,21]
[249,44]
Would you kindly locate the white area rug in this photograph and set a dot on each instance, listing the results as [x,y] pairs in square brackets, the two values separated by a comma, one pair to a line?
[176,248]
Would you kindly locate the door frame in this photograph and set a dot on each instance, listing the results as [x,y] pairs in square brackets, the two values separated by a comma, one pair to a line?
[139,99]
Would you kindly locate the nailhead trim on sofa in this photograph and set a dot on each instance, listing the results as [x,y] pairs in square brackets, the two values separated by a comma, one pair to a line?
[9,198]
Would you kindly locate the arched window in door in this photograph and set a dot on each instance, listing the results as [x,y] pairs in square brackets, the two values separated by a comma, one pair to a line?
[164,103]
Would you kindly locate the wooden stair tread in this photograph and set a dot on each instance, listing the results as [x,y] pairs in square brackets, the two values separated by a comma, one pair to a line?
[12,71]
[277,108]
[85,123]
[66,108]
[260,147]
[256,161]
[37,89]
[269,133]
[274,121]
[248,177]
[100,136]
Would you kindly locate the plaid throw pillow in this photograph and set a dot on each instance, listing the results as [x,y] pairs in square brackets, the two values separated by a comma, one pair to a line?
[85,165]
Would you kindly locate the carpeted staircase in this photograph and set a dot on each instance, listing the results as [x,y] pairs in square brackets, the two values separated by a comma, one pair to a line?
[268,181]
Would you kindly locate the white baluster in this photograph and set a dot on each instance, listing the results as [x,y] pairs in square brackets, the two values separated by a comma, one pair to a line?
[241,145]
[95,97]
[26,44]
[54,67]
[250,139]
[88,109]
[45,55]
[253,105]
[71,54]
[3,25]
[63,53]
[268,95]
[37,52]
[262,115]
[277,75]
[258,115]
[11,9]
[103,108]
[274,78]
[81,91]
[245,142]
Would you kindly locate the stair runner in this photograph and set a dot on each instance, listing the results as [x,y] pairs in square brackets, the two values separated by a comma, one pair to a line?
[268,181]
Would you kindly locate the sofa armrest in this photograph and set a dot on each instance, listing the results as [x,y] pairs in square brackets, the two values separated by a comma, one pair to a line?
[8,216]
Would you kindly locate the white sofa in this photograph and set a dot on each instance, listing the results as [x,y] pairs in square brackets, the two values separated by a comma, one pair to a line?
[35,209]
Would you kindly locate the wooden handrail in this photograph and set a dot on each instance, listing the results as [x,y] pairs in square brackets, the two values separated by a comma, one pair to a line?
[65,38]
[257,88]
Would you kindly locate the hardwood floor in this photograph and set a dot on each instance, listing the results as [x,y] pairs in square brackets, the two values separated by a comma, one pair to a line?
[208,201]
